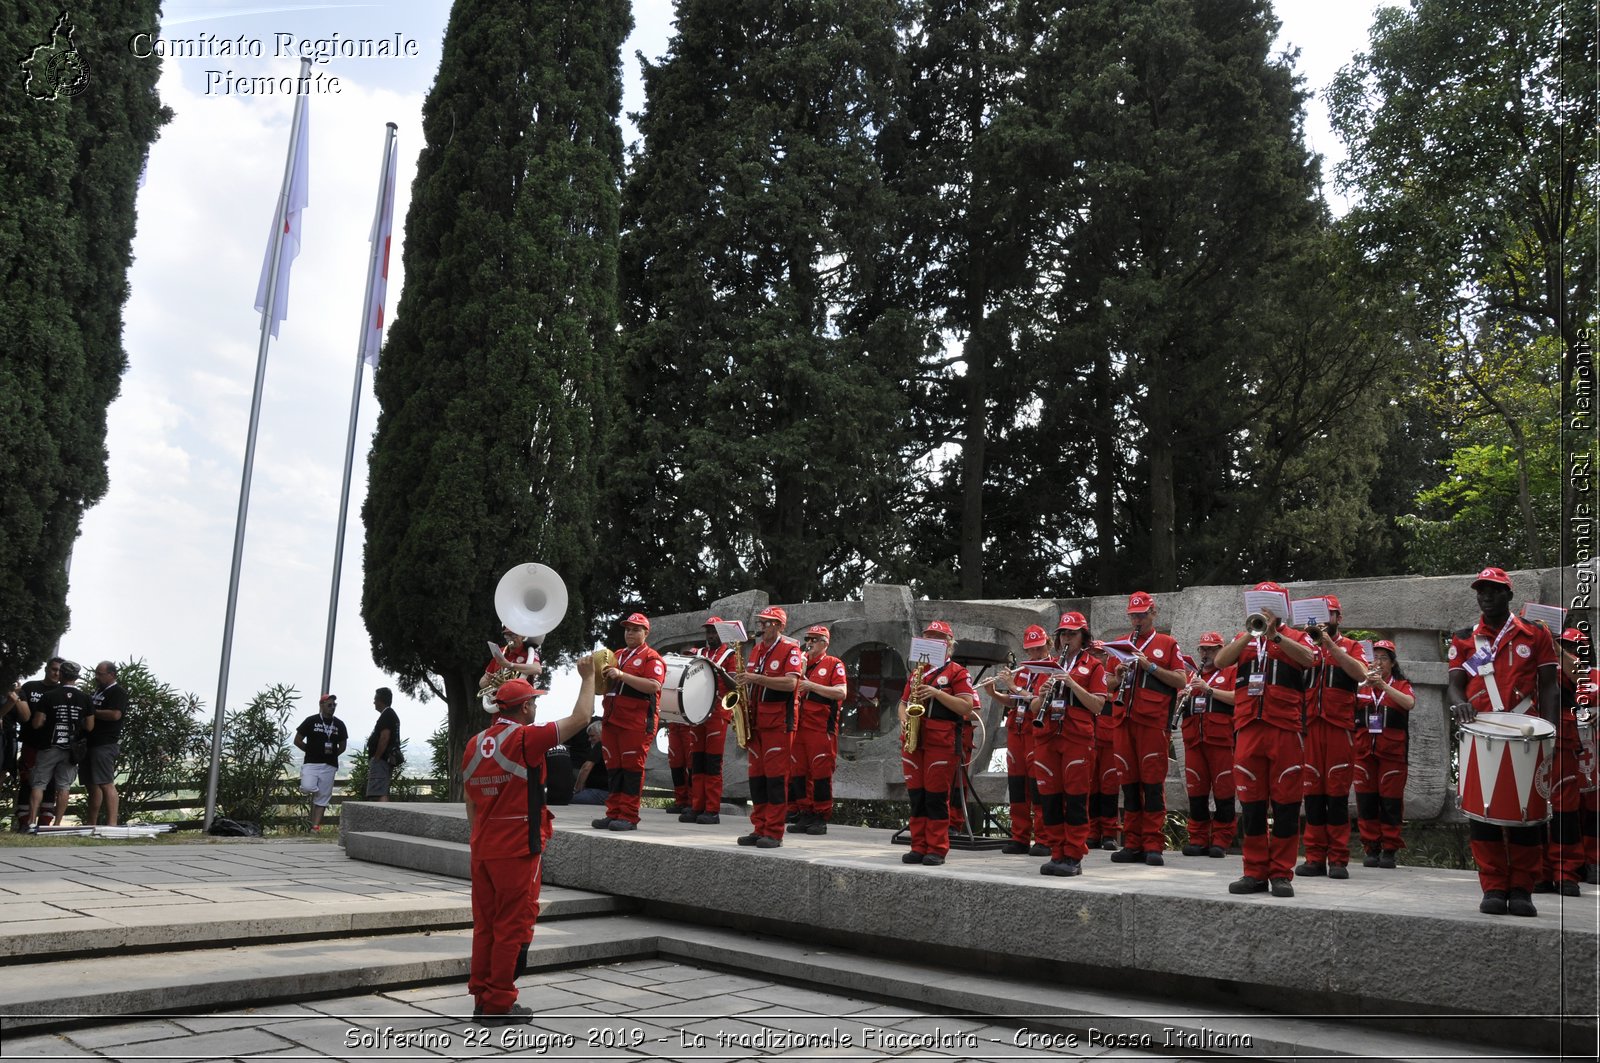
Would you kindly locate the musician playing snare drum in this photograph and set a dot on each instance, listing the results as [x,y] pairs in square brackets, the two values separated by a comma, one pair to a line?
[1503,664]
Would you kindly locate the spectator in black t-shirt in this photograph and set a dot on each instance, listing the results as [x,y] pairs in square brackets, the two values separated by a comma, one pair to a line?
[65,715]
[321,737]
[100,772]
[383,746]
[589,783]
[31,694]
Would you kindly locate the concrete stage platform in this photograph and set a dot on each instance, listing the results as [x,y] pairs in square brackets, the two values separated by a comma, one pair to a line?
[1404,951]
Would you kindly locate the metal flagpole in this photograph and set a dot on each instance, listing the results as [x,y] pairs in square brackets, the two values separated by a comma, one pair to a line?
[250,446]
[370,336]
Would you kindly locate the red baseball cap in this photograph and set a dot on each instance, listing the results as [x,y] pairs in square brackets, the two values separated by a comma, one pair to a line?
[1333,603]
[774,612]
[515,692]
[1211,638]
[819,631]
[1573,635]
[1493,575]
[1034,637]
[637,620]
[1140,602]
[328,697]
[939,627]
[1072,622]
[1385,644]
[1269,585]
[712,620]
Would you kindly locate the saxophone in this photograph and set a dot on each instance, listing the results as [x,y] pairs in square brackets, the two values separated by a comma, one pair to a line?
[911,730]
[737,701]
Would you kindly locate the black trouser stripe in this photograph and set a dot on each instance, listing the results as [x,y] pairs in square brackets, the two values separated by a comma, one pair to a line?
[1286,820]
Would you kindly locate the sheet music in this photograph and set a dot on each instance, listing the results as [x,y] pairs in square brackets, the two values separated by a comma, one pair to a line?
[1121,649]
[1366,648]
[931,650]
[1277,601]
[499,655]
[1310,611]
[1551,616]
[731,632]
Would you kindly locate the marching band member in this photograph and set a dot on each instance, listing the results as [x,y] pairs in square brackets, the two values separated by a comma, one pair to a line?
[522,659]
[821,690]
[1572,825]
[1207,726]
[1154,677]
[1519,660]
[1330,703]
[1267,748]
[947,693]
[630,721]
[773,671]
[1064,710]
[1110,770]
[708,739]
[1382,733]
[1022,787]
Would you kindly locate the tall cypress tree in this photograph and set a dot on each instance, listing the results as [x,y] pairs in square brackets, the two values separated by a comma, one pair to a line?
[766,343]
[494,381]
[77,125]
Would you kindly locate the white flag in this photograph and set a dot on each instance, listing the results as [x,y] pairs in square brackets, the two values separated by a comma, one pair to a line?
[382,233]
[295,200]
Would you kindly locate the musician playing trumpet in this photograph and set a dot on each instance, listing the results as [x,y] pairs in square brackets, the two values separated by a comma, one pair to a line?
[1013,691]
[1152,678]
[1064,711]
[930,768]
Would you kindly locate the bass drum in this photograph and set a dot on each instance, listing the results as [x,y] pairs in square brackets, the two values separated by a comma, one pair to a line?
[689,692]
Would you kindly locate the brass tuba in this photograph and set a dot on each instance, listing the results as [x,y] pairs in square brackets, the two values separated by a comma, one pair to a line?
[911,730]
[737,701]
[530,599]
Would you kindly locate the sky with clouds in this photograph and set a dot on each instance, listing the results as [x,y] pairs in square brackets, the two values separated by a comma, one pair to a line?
[150,570]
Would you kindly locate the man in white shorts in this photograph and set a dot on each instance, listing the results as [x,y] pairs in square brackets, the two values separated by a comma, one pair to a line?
[321,737]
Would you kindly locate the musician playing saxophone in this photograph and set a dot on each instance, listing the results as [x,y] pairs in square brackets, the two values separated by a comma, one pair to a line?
[947,693]
[1064,709]
[771,674]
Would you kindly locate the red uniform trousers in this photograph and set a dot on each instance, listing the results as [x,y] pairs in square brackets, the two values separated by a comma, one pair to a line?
[1021,788]
[1266,768]
[1063,764]
[928,772]
[625,753]
[1325,779]
[1508,858]
[1565,857]
[706,743]
[1208,774]
[678,763]
[811,763]
[1380,783]
[769,777]
[1110,769]
[502,923]
[1143,748]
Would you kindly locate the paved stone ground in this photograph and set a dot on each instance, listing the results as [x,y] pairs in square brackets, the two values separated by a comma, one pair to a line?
[647,1009]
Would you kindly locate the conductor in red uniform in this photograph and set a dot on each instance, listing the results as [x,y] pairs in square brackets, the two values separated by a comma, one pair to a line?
[630,720]
[502,777]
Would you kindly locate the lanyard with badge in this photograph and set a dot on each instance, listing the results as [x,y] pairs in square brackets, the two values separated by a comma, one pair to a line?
[1481,663]
[1258,674]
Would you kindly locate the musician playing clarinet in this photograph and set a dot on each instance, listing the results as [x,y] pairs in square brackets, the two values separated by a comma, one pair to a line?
[949,698]
[1207,724]
[1504,664]
[1064,714]
[1012,691]
[1153,677]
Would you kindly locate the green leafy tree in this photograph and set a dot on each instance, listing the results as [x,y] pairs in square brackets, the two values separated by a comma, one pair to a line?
[164,745]
[1470,127]
[76,124]
[765,341]
[493,387]
[255,755]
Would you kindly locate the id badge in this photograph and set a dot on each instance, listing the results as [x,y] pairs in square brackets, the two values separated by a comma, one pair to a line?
[1375,721]
[1058,706]
[1258,684]
[1199,705]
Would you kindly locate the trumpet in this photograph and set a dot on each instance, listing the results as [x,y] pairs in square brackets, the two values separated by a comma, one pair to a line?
[911,730]
[737,702]
[1257,625]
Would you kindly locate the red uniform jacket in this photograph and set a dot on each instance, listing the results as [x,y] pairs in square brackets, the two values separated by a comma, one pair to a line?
[1283,693]
[775,708]
[631,709]
[1518,650]
[503,770]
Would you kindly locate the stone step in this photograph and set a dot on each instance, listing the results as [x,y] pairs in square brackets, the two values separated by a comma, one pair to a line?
[257,922]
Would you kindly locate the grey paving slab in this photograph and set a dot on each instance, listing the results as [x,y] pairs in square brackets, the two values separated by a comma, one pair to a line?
[51,1045]
[218,1044]
[97,1037]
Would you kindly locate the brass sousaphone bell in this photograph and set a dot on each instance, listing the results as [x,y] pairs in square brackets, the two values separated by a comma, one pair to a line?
[531,600]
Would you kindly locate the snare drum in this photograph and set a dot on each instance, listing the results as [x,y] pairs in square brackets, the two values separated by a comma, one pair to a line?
[689,692]
[1504,773]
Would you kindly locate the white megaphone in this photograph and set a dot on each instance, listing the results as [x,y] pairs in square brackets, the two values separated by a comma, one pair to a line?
[531,600]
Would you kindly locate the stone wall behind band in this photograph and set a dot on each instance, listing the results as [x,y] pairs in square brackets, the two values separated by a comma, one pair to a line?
[1415,612]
